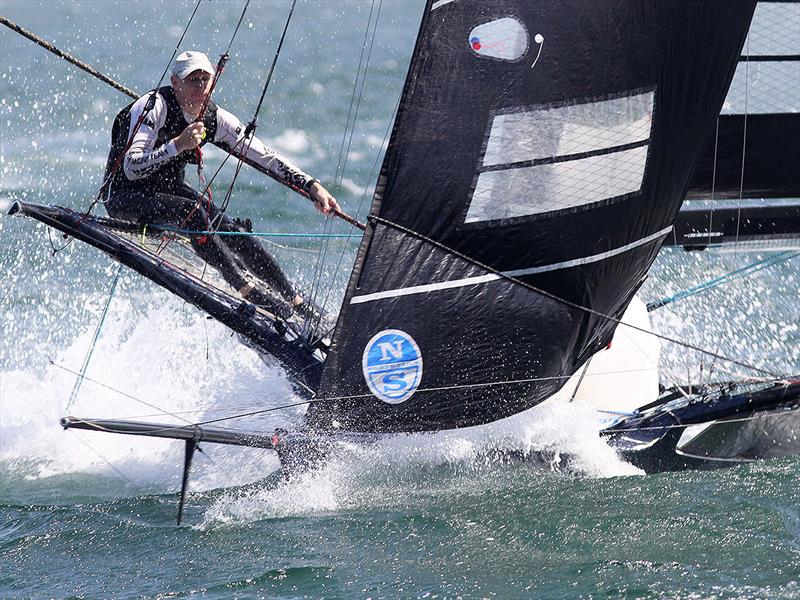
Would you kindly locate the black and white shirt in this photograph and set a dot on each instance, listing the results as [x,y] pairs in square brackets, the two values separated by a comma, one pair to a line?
[152,161]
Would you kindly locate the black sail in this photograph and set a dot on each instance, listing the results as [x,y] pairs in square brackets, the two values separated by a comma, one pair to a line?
[755,152]
[542,145]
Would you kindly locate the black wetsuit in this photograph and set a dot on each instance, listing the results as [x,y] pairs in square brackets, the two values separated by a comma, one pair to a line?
[149,185]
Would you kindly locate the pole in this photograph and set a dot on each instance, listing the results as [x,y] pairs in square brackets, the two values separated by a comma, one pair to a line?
[69,58]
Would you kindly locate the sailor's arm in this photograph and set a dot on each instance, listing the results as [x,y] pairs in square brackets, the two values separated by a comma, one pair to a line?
[142,157]
[229,135]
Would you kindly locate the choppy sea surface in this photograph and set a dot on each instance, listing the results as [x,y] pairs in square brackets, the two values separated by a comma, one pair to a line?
[86,515]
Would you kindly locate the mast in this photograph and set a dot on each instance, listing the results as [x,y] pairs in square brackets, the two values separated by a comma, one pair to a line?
[538,159]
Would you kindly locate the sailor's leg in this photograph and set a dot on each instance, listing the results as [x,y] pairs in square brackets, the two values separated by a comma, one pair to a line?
[256,258]
[151,208]
[179,211]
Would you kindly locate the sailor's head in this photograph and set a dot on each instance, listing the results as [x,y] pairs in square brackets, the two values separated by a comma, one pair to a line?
[192,73]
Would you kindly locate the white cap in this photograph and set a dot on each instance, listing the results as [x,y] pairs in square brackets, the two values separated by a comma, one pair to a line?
[189,62]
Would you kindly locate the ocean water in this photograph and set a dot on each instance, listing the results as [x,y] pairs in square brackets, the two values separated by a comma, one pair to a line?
[86,515]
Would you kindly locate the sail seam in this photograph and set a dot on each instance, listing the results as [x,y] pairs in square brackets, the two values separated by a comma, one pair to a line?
[770,58]
[457,283]
[563,158]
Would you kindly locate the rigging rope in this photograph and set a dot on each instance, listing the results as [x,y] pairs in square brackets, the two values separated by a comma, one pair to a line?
[350,397]
[741,176]
[704,318]
[358,396]
[249,131]
[105,460]
[254,233]
[344,152]
[753,267]
[309,323]
[752,417]
[321,334]
[348,128]
[82,377]
[566,302]
[76,388]
[221,63]
[69,58]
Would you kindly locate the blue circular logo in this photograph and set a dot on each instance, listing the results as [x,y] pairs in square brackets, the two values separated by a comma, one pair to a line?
[392,366]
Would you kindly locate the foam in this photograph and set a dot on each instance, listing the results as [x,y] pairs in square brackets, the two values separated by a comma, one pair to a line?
[160,358]
[561,439]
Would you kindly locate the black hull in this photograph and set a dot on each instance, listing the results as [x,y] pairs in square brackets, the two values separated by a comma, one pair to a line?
[711,430]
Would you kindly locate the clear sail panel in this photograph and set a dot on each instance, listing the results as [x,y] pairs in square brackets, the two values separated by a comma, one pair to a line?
[764,88]
[557,186]
[592,151]
[565,130]
[774,30]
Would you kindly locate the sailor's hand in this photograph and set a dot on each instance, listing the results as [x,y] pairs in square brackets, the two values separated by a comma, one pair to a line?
[323,200]
[190,137]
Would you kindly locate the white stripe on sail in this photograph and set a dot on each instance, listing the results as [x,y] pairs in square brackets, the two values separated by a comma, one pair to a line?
[456,283]
[440,3]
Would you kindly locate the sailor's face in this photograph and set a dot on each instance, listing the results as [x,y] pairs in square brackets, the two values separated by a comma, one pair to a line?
[193,89]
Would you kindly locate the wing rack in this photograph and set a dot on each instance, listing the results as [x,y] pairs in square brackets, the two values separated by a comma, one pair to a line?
[122,241]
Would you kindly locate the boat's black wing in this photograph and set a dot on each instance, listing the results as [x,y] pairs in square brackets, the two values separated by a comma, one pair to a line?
[652,439]
[201,287]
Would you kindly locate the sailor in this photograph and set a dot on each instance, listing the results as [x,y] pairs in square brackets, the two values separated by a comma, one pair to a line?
[146,185]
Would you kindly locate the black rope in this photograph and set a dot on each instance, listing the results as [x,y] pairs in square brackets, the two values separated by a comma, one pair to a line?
[235,31]
[316,329]
[221,63]
[178,45]
[311,324]
[741,174]
[252,125]
[566,302]
[353,94]
[149,106]
[249,129]
[69,58]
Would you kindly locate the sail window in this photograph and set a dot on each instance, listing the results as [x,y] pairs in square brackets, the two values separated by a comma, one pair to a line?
[538,134]
[764,88]
[503,39]
[773,31]
[559,158]
[556,186]
[767,78]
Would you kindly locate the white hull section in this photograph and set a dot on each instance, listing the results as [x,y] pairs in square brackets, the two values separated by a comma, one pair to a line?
[618,380]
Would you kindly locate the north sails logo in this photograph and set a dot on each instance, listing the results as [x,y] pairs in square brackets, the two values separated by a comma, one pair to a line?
[392,366]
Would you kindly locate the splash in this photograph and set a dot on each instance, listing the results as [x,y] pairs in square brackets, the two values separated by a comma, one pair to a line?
[166,367]
[561,440]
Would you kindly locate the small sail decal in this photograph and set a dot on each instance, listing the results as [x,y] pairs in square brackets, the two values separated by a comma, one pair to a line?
[504,39]
[565,177]
[759,124]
